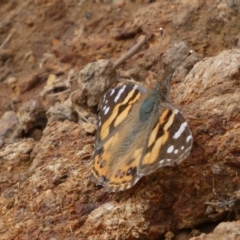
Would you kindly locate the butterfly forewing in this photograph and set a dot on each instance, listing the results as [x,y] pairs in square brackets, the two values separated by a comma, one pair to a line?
[115,105]
[138,131]
[113,163]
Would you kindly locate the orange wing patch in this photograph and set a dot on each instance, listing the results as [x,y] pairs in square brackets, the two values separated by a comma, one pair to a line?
[156,142]
[116,117]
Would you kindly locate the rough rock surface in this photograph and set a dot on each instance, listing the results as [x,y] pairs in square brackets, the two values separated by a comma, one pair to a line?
[225,230]
[45,47]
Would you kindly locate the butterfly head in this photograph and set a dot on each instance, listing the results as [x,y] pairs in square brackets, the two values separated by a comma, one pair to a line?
[164,87]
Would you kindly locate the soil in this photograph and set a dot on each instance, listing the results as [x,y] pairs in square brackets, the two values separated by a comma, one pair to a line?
[47,42]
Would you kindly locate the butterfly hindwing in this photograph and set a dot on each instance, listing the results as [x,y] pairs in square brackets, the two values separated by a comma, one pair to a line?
[170,141]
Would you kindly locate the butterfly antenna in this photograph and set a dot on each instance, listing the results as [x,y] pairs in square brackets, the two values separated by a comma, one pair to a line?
[189,53]
[165,85]
[166,82]
[159,56]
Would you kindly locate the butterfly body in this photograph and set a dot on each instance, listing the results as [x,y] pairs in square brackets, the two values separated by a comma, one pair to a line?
[139,131]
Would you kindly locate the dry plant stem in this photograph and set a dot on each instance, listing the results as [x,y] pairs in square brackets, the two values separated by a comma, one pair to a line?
[82,117]
[6,40]
[48,90]
[56,94]
[131,52]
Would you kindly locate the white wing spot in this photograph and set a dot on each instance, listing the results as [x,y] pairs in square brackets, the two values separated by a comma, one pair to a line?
[106,111]
[119,93]
[104,107]
[180,130]
[161,162]
[112,92]
[175,111]
[165,162]
[176,151]
[182,147]
[170,149]
[106,101]
[188,138]
[99,123]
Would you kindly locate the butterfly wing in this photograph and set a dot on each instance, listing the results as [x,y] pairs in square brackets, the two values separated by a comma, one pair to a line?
[116,155]
[170,140]
[138,132]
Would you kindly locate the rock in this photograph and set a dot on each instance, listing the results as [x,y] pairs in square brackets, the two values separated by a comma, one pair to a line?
[5,54]
[16,151]
[13,157]
[95,79]
[8,124]
[15,100]
[12,82]
[31,115]
[52,80]
[180,60]
[89,127]
[104,216]
[225,11]
[171,59]
[182,236]
[82,113]
[35,133]
[86,152]
[27,82]
[224,231]
[238,195]
[61,112]
[57,89]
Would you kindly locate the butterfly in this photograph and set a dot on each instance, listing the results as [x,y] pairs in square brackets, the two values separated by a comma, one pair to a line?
[139,130]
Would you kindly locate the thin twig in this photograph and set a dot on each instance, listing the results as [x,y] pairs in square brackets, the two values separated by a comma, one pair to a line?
[50,89]
[213,189]
[130,52]
[6,40]
[222,204]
